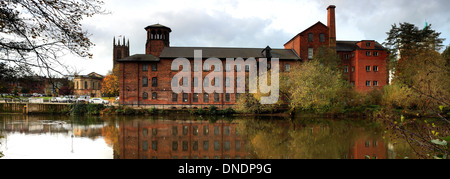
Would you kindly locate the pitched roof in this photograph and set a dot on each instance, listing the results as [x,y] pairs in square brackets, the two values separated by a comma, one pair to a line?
[223,52]
[348,46]
[317,23]
[140,58]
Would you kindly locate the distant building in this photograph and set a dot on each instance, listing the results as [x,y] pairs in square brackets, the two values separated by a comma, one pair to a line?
[145,79]
[89,85]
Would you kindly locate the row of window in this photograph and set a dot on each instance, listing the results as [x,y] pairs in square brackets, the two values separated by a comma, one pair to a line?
[99,86]
[185,97]
[185,83]
[368,83]
[195,145]
[154,67]
[368,69]
[368,53]
[311,37]
[195,130]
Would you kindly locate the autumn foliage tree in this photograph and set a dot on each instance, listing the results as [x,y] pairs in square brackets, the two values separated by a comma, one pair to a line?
[110,84]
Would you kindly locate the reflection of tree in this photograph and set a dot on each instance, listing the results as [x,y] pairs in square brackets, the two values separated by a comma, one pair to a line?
[111,136]
[303,139]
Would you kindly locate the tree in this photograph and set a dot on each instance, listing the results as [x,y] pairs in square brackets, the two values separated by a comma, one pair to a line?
[36,32]
[406,38]
[318,82]
[110,85]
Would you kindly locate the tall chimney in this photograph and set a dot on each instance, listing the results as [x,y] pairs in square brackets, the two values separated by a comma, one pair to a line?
[331,26]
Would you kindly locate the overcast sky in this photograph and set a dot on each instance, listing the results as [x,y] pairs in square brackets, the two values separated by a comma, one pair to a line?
[248,23]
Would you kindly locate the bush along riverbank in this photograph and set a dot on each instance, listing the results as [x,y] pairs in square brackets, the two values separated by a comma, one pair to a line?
[100,109]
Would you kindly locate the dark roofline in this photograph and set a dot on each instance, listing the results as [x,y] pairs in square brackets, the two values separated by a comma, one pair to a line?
[305,30]
[158,26]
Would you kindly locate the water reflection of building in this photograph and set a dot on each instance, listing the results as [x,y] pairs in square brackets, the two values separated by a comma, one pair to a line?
[180,139]
[368,148]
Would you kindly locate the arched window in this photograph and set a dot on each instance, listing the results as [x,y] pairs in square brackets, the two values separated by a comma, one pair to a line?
[145,95]
[153,36]
[85,85]
[159,34]
[154,96]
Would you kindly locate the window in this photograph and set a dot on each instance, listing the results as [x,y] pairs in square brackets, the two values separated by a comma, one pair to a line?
[346,56]
[154,67]
[353,68]
[195,98]
[154,82]
[206,67]
[247,68]
[287,67]
[154,131]
[216,81]
[375,54]
[216,67]
[85,85]
[174,130]
[185,97]
[185,81]
[368,54]
[227,97]
[77,86]
[322,37]
[310,37]
[154,95]
[145,67]
[238,67]
[367,68]
[174,146]
[216,145]
[195,82]
[194,130]
[310,53]
[375,68]
[216,130]
[155,145]
[367,83]
[185,145]
[206,82]
[145,145]
[195,67]
[227,82]
[368,44]
[195,145]
[216,97]
[175,82]
[185,130]
[227,67]
[174,97]
[205,145]
[206,97]
[346,69]
[375,83]
[205,130]
[144,81]
[145,96]
[227,130]
[352,83]
[227,145]
[239,81]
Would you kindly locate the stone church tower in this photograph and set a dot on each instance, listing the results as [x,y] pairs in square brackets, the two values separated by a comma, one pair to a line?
[120,50]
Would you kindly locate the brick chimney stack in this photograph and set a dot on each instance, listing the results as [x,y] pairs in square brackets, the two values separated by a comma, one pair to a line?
[331,25]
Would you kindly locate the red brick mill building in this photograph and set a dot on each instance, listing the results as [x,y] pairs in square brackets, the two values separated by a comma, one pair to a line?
[145,79]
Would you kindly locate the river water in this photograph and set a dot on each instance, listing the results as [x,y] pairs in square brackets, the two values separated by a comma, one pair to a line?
[180,136]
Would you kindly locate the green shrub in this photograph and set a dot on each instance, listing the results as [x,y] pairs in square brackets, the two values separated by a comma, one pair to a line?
[129,111]
[94,109]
